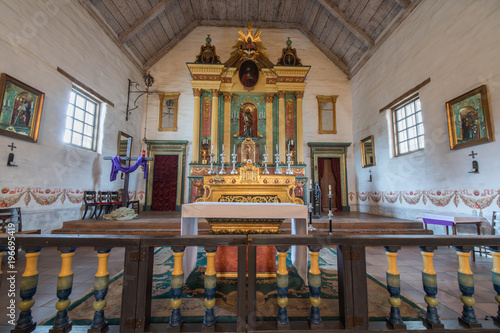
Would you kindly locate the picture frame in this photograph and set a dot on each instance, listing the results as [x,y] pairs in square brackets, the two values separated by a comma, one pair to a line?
[168,111]
[20,109]
[367,152]
[469,120]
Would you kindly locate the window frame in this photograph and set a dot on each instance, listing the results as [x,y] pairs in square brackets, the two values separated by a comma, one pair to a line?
[163,96]
[333,100]
[95,126]
[395,132]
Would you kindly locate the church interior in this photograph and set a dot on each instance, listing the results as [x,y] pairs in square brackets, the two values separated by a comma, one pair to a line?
[380,110]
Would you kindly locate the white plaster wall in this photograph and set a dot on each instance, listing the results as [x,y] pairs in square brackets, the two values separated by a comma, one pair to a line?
[172,75]
[456,43]
[36,37]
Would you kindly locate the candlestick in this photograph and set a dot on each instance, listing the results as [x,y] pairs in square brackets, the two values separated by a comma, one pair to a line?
[289,161]
[277,170]
[234,172]
[310,228]
[265,155]
[211,171]
[330,215]
[222,157]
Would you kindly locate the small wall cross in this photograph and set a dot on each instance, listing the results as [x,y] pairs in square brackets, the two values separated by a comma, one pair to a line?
[473,154]
[11,146]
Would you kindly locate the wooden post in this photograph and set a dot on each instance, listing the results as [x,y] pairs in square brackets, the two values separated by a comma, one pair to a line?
[177,283]
[64,287]
[466,283]
[429,280]
[282,284]
[210,282]
[315,288]
[101,282]
[394,287]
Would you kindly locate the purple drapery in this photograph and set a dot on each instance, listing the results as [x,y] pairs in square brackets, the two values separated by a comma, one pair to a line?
[117,166]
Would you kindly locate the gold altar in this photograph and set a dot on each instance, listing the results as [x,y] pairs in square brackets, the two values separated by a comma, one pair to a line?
[248,185]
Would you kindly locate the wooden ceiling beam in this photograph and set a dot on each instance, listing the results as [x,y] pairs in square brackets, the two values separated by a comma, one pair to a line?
[145,19]
[94,13]
[396,22]
[347,22]
[336,60]
[171,44]
[255,25]
[403,3]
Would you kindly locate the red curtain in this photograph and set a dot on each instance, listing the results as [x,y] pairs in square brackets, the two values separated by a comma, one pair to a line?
[321,169]
[164,182]
[338,184]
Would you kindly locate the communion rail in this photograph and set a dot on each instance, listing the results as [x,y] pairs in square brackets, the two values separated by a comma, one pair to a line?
[351,264]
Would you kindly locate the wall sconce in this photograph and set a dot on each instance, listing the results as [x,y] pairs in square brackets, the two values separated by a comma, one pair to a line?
[133,88]
[370,177]
[10,158]
[475,164]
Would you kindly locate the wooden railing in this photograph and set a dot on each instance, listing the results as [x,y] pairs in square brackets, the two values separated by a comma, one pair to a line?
[351,263]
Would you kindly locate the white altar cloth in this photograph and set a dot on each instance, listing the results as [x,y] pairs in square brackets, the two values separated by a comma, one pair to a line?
[297,213]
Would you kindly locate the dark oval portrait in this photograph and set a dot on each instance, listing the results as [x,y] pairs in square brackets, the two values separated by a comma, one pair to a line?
[249,73]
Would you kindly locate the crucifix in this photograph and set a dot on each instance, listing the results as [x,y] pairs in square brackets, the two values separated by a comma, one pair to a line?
[10,159]
[11,146]
[473,154]
[127,158]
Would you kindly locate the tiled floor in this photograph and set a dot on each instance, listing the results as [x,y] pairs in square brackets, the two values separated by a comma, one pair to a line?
[409,266]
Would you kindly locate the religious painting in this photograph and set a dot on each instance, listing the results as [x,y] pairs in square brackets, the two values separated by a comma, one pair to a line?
[21,109]
[168,111]
[327,114]
[469,119]
[249,74]
[367,152]
[248,120]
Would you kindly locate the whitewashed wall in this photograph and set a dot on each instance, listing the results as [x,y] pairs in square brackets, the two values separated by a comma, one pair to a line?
[456,43]
[172,75]
[36,37]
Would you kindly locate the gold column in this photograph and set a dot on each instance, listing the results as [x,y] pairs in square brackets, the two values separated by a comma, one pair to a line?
[299,146]
[227,125]
[196,126]
[282,134]
[269,124]
[215,122]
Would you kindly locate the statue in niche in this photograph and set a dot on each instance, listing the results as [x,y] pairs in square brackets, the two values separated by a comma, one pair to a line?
[248,121]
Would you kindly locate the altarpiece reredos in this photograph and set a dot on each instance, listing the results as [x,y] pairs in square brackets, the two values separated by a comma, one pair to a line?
[246,108]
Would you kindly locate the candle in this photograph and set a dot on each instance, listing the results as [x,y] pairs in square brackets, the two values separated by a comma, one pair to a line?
[288,147]
[292,142]
[329,189]
[223,149]
[265,149]
[234,149]
[212,148]
[277,150]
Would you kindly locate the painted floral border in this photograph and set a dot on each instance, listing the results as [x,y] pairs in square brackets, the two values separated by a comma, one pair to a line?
[476,199]
[10,197]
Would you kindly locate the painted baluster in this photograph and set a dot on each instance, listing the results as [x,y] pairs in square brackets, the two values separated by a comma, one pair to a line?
[29,282]
[64,287]
[429,281]
[466,284]
[210,283]
[315,286]
[495,277]
[394,287]
[177,283]
[101,282]
[282,282]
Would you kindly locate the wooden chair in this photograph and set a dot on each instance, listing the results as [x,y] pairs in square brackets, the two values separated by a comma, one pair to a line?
[95,200]
[114,200]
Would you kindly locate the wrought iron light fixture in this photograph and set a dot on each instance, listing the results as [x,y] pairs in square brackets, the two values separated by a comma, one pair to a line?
[133,88]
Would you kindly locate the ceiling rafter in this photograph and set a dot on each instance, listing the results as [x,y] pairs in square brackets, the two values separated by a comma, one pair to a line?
[96,15]
[403,3]
[145,19]
[347,22]
[171,44]
[336,60]
[256,24]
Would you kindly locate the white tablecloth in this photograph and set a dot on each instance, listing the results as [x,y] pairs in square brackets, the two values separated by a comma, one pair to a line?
[297,213]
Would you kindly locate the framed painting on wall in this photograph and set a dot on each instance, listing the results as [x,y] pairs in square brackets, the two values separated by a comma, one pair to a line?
[469,119]
[21,109]
[168,111]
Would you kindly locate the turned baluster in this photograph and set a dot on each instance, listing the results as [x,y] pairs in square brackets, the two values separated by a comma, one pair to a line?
[64,287]
[29,282]
[210,282]
[101,282]
[315,287]
[466,284]
[282,283]
[395,320]
[495,278]
[177,283]
[429,281]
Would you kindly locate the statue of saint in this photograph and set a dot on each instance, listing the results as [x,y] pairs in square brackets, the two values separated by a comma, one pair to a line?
[247,123]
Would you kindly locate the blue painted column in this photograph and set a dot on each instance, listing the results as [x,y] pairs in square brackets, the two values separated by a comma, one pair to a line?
[101,283]
[210,282]
[64,288]
[282,283]
[177,283]
[315,286]
[495,278]
[29,282]
[429,281]
[395,320]
[466,284]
